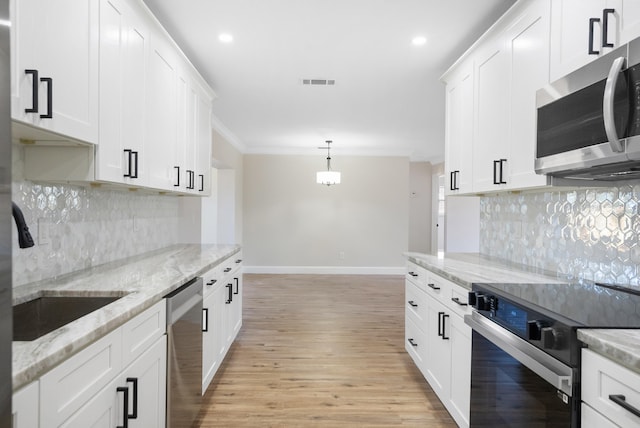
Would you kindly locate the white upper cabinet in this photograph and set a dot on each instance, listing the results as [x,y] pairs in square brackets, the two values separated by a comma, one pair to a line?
[54,79]
[528,52]
[203,142]
[491,104]
[124,47]
[583,30]
[459,131]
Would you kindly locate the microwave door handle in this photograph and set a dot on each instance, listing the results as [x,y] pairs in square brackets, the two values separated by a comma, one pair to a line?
[607,105]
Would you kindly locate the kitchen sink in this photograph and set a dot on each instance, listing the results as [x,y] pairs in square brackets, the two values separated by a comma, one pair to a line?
[40,316]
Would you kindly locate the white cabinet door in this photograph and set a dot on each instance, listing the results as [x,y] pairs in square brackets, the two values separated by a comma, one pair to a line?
[149,375]
[629,17]
[58,40]
[491,116]
[210,350]
[25,405]
[203,143]
[163,171]
[221,311]
[460,380]
[104,410]
[459,128]
[185,146]
[570,29]
[236,305]
[528,52]
[124,47]
[437,360]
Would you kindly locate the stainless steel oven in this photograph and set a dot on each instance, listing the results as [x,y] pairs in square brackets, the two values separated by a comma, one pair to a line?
[588,124]
[525,365]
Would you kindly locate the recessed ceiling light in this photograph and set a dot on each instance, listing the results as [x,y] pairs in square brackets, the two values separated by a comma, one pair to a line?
[225,38]
[419,41]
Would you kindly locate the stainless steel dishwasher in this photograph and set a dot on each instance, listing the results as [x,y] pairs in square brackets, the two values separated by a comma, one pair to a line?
[184,354]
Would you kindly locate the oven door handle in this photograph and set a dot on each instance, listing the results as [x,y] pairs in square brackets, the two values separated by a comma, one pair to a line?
[553,371]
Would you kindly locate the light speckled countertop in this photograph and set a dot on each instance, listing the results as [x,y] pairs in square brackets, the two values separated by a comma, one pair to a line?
[464,269]
[621,346]
[142,281]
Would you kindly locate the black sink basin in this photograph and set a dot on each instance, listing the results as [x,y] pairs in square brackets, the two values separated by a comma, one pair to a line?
[40,316]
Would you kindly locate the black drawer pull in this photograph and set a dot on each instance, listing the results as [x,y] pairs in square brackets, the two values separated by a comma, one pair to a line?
[440,324]
[237,286]
[230,299]
[134,381]
[412,342]
[35,82]
[620,400]
[457,301]
[433,286]
[125,408]
[444,326]
[227,270]
[413,274]
[213,281]
[411,302]
[238,261]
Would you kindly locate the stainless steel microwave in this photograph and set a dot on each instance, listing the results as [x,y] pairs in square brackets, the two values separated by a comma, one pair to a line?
[588,124]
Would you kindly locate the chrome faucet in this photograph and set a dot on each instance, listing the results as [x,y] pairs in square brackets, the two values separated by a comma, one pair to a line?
[24,237]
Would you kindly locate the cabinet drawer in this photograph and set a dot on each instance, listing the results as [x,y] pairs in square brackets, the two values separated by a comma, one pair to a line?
[415,304]
[589,418]
[68,386]
[415,342]
[437,287]
[141,332]
[458,299]
[602,378]
[210,280]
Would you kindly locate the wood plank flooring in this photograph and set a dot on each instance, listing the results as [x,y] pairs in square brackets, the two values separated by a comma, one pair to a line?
[321,351]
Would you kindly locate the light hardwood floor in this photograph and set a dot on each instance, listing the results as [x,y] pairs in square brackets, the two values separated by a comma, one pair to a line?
[321,350]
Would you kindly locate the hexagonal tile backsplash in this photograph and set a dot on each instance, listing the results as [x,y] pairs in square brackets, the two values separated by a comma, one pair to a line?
[88,226]
[587,234]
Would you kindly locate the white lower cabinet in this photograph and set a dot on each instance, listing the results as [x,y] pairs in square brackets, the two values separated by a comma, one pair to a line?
[439,341]
[90,388]
[24,406]
[610,393]
[222,308]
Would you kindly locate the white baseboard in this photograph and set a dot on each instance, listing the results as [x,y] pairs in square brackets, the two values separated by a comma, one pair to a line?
[327,270]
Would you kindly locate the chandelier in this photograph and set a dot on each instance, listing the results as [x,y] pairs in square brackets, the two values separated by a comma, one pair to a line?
[328,177]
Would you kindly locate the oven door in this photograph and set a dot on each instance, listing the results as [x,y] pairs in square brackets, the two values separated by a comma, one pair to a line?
[515,384]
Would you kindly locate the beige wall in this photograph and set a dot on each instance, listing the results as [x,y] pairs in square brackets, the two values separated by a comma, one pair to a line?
[359,226]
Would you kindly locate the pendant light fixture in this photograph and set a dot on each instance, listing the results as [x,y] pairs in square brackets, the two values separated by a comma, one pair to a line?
[328,177]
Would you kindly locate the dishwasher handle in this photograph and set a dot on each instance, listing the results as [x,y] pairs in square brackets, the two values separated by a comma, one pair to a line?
[182,300]
[553,371]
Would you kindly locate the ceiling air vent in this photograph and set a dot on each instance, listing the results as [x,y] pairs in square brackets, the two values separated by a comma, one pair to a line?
[318,82]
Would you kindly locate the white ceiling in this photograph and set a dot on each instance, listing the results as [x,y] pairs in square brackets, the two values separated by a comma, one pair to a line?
[387,99]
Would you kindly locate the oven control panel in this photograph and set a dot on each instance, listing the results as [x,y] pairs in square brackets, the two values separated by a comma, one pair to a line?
[540,330]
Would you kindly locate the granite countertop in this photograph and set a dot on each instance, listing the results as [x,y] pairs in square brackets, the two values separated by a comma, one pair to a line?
[619,345]
[465,269]
[142,281]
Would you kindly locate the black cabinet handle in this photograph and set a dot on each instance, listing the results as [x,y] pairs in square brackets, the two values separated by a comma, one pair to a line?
[605,27]
[177,184]
[128,152]
[192,184]
[592,21]
[440,329]
[201,189]
[456,173]
[227,270]
[134,381]
[412,303]
[238,261]
[35,82]
[237,286]
[452,180]
[444,317]
[433,286]
[495,172]
[413,274]
[205,319]
[213,281]
[125,408]
[135,163]
[49,113]
[230,299]
[502,181]
[412,342]
[620,400]
[457,301]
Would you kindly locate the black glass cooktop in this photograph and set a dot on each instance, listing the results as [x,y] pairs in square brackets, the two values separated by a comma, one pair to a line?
[583,304]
